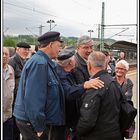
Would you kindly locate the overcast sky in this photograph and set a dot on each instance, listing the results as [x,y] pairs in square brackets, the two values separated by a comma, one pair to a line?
[72,17]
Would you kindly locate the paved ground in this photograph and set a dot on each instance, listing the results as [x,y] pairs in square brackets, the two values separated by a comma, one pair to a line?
[134,77]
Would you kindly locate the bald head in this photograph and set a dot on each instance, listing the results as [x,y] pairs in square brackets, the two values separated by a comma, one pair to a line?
[97,59]
[5,56]
[96,62]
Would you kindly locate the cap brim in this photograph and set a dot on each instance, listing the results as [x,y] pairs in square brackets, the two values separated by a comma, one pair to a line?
[61,41]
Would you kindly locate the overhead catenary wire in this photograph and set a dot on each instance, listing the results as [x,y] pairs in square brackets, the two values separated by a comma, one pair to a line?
[44,13]
[56,17]
[31,9]
[119,33]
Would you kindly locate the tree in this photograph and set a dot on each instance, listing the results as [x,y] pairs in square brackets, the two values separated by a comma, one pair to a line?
[9,42]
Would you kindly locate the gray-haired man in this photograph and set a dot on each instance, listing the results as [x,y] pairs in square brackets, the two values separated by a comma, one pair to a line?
[84,48]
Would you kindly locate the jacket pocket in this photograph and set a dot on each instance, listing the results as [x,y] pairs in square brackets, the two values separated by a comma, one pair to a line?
[53,89]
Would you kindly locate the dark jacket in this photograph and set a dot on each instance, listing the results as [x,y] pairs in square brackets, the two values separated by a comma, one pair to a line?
[81,72]
[73,94]
[100,111]
[40,97]
[17,63]
[111,69]
[127,88]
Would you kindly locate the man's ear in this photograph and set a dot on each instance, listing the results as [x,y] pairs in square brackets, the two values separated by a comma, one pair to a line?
[70,62]
[50,44]
[89,66]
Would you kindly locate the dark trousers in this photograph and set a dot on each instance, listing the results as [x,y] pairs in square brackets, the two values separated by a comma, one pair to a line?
[57,133]
[50,133]
[16,132]
[28,132]
[74,134]
[8,129]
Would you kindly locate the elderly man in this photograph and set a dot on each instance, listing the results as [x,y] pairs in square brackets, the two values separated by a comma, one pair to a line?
[8,93]
[40,103]
[100,110]
[84,48]
[17,61]
[73,92]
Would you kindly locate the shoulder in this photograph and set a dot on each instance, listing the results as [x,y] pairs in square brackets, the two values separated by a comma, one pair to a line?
[95,92]
[12,59]
[11,68]
[38,59]
[129,81]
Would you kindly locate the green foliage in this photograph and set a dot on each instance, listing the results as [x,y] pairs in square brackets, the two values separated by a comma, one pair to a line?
[28,39]
[69,41]
[9,42]
[32,40]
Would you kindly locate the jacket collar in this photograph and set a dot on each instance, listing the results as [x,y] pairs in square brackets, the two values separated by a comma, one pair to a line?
[80,59]
[19,60]
[61,71]
[47,58]
[98,74]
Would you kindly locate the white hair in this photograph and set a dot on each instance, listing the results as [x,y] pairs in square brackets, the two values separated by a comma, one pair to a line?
[124,63]
[65,62]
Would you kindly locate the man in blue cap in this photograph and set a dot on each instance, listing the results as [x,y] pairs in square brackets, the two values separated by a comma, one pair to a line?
[73,92]
[40,103]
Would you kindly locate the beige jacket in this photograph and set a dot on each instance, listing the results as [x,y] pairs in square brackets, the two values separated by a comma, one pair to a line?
[8,88]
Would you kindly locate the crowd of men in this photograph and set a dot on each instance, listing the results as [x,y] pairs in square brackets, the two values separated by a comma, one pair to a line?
[62,94]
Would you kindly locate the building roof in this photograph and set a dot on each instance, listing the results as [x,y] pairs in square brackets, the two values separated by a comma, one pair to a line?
[124,45]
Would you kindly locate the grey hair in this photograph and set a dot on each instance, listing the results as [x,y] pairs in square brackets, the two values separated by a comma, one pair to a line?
[124,63]
[65,62]
[97,59]
[83,40]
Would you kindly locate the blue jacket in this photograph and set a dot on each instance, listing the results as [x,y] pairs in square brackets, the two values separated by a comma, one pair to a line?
[73,93]
[40,97]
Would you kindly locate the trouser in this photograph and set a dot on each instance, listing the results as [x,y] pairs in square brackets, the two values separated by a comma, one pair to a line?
[28,132]
[50,133]
[57,133]
[74,134]
[8,129]
[16,132]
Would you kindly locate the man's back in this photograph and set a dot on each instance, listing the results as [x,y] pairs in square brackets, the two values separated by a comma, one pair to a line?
[100,111]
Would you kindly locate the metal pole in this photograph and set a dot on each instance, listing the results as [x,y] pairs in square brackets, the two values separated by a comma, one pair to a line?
[50,22]
[102,28]
[50,25]
[99,31]
[40,30]
[90,32]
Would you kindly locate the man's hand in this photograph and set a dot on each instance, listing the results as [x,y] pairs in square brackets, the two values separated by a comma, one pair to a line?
[39,134]
[94,83]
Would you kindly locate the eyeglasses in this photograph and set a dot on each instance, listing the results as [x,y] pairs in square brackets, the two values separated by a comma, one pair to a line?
[118,68]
